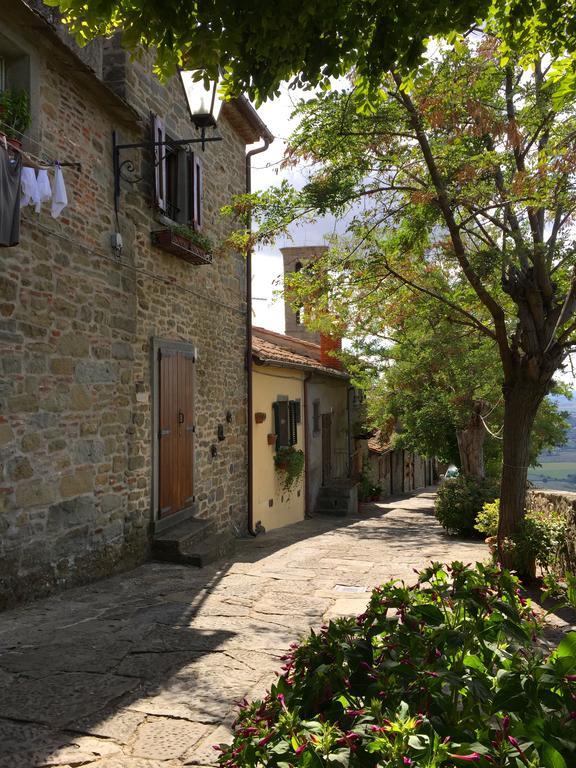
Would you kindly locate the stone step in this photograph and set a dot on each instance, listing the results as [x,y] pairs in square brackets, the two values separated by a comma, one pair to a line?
[331,511]
[334,493]
[333,502]
[216,548]
[169,545]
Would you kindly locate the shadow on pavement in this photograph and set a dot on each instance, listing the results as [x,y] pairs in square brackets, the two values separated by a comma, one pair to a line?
[151,658]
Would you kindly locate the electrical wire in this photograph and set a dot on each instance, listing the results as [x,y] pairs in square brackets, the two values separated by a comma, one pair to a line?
[41,161]
[141,271]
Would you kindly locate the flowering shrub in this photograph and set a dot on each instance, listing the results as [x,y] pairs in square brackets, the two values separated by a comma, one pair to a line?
[440,674]
[541,535]
[460,499]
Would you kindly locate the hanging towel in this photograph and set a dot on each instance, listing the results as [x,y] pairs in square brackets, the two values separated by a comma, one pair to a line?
[44,188]
[59,198]
[30,194]
[10,170]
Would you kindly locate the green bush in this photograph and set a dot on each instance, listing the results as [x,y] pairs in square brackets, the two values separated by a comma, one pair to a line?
[488,517]
[437,675]
[367,491]
[460,499]
[541,536]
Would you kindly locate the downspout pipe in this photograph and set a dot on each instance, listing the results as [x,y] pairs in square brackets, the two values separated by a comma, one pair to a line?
[268,138]
[306,421]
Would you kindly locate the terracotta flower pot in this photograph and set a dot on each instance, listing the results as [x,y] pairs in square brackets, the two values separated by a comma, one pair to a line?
[492,542]
[14,143]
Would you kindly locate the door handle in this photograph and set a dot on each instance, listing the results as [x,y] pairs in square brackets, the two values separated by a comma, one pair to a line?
[180,417]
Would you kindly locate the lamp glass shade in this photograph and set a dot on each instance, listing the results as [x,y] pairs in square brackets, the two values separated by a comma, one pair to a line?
[204,103]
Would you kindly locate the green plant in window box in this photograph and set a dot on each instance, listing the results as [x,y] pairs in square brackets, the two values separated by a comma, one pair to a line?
[15,117]
[197,238]
[290,461]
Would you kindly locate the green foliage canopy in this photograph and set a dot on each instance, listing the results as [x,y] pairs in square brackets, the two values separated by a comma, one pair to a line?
[260,44]
[466,175]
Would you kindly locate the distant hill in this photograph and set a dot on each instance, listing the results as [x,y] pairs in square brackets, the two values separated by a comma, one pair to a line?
[558,470]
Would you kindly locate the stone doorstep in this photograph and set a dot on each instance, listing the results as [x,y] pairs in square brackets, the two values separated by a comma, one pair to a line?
[192,542]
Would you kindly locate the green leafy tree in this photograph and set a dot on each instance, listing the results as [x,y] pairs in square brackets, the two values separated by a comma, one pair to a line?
[438,385]
[260,44]
[435,388]
[466,175]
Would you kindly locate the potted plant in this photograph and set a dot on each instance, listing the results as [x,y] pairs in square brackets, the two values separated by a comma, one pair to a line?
[184,242]
[289,461]
[15,117]
[487,523]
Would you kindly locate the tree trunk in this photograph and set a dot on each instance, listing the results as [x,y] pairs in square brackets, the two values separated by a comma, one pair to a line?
[521,402]
[471,446]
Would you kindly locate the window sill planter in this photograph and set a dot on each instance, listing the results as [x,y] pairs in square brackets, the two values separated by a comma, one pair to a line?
[179,245]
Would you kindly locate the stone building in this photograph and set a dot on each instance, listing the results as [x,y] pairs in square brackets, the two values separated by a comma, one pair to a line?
[395,471]
[123,390]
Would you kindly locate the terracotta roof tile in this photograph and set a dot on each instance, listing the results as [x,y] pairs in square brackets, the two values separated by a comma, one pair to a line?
[269,347]
[378,443]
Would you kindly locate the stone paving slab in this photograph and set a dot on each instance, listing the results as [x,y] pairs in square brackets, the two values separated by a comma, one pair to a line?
[142,670]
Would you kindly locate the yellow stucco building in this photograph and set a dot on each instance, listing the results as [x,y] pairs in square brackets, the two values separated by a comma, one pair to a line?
[300,399]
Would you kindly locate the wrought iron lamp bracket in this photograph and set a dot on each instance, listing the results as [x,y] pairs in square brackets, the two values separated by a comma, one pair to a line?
[128,165]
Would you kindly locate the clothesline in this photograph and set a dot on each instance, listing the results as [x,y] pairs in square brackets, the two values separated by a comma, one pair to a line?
[33,160]
[22,185]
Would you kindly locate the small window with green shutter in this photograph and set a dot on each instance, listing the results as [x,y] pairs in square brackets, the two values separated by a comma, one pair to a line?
[286,419]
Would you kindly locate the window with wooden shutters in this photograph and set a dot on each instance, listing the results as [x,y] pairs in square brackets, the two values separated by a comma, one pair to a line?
[194,190]
[178,179]
[286,418]
[160,171]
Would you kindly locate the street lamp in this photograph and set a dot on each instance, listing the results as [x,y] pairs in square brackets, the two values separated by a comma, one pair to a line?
[204,106]
[202,98]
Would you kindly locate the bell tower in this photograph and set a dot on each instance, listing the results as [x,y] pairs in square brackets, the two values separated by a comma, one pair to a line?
[295,258]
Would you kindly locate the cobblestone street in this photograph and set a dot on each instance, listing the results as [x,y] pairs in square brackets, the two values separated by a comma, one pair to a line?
[142,670]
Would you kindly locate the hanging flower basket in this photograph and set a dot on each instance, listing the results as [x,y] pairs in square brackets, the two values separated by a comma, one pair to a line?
[290,462]
[180,245]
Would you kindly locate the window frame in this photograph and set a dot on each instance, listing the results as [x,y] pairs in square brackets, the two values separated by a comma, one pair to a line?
[316,418]
[285,425]
[178,179]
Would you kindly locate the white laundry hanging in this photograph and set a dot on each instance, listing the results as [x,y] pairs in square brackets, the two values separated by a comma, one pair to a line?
[59,196]
[30,194]
[44,188]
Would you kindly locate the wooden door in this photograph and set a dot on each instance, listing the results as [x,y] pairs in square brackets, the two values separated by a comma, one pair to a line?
[326,448]
[175,432]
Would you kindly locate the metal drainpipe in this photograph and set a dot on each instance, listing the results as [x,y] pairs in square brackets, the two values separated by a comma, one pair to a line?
[250,415]
[305,422]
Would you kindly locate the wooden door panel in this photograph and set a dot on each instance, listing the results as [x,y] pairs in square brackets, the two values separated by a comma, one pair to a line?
[185,429]
[168,434]
[175,432]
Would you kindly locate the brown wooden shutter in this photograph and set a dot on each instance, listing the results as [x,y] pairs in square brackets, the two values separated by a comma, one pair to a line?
[186,428]
[196,191]
[190,188]
[159,133]
[176,432]
[168,434]
[281,423]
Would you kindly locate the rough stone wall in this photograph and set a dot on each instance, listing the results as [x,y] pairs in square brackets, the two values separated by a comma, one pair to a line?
[76,322]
